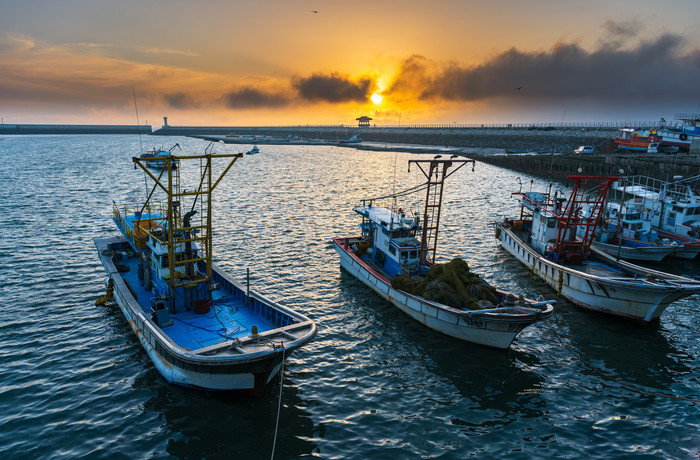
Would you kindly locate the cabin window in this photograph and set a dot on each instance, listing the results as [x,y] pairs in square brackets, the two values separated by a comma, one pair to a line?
[392,250]
[678,209]
[404,256]
[164,261]
[551,223]
[414,254]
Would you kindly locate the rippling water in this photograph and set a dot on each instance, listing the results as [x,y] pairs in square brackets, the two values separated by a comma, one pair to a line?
[74,381]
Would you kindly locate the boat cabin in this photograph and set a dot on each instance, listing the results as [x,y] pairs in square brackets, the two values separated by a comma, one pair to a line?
[392,237]
[148,237]
[629,219]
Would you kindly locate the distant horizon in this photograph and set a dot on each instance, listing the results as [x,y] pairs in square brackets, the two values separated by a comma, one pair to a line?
[373,125]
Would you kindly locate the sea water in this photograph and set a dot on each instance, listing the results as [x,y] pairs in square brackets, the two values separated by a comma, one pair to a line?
[75,382]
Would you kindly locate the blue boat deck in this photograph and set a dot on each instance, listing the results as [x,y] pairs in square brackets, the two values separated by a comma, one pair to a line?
[229,317]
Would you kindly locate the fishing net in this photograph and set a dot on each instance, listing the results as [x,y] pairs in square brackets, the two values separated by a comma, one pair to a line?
[450,284]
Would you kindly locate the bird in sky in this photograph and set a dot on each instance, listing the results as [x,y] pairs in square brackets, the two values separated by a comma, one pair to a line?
[519,88]
[314,11]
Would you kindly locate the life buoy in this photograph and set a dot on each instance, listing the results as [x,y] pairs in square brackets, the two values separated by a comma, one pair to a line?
[683,136]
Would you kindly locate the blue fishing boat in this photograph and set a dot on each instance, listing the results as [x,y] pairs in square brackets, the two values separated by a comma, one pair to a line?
[200,327]
[448,298]
[253,151]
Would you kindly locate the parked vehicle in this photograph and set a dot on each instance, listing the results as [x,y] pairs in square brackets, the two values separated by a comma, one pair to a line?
[584,150]
[656,147]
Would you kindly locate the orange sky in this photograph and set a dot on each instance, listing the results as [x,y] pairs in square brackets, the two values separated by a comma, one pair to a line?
[280,63]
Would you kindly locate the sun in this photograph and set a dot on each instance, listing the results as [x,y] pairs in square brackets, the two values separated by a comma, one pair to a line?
[376,98]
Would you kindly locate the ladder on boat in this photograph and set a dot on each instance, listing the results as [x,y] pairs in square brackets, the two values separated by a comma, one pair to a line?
[435,171]
[184,232]
[586,194]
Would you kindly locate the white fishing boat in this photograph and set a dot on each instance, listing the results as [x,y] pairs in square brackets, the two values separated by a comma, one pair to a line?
[622,233]
[672,207]
[200,327]
[354,139]
[626,250]
[681,136]
[544,239]
[158,158]
[388,258]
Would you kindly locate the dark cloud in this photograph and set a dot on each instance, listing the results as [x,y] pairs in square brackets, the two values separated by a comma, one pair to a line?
[414,78]
[253,98]
[333,88]
[624,29]
[180,101]
[651,72]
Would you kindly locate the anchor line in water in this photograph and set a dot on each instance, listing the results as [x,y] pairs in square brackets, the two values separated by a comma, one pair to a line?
[279,403]
[605,377]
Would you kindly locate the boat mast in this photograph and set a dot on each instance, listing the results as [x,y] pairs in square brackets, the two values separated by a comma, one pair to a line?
[571,217]
[436,174]
[182,234]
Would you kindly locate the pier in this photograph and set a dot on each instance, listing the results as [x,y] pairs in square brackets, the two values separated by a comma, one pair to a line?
[74,129]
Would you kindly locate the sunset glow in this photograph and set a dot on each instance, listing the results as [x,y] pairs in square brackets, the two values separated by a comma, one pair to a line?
[281,63]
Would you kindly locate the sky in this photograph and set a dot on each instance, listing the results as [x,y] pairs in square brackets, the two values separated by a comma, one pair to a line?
[327,62]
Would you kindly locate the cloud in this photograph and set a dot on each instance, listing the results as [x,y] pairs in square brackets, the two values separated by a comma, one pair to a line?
[333,88]
[253,98]
[158,50]
[653,71]
[179,100]
[625,29]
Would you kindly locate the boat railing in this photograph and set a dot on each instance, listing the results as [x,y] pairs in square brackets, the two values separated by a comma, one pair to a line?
[147,217]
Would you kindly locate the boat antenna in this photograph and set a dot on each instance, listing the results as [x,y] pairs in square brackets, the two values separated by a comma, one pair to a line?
[395,155]
[138,125]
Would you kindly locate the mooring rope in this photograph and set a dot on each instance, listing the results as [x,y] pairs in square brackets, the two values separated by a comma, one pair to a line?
[279,404]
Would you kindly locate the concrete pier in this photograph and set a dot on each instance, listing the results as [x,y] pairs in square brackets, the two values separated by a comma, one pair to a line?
[74,129]
[540,139]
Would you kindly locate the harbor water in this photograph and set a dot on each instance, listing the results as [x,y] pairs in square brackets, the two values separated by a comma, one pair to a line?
[75,382]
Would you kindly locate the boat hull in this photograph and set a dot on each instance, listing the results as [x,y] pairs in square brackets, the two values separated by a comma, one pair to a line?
[246,367]
[688,249]
[634,145]
[471,326]
[641,300]
[642,253]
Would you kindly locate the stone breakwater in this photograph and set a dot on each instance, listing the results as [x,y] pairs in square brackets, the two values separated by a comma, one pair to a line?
[543,139]
[559,167]
[488,144]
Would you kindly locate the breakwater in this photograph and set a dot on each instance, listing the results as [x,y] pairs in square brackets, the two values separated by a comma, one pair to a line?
[75,129]
[538,139]
[559,167]
[558,143]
